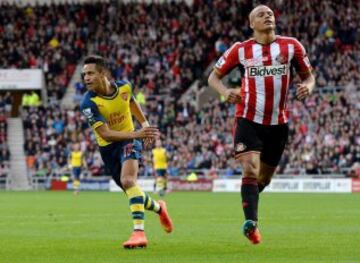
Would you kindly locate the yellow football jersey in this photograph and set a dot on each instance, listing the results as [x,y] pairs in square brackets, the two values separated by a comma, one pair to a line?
[160,158]
[113,110]
[76,159]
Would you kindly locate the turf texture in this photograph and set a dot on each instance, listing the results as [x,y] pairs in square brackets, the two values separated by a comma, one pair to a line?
[60,227]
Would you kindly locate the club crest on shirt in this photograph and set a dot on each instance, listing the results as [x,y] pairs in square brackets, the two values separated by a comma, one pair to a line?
[281,59]
[240,147]
[124,96]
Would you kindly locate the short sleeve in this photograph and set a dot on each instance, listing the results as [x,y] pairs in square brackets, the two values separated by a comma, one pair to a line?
[91,112]
[229,60]
[301,60]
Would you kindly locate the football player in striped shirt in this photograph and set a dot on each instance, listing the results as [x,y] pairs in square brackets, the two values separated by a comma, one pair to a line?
[261,130]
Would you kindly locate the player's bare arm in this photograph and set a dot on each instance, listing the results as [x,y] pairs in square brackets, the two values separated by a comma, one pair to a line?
[306,86]
[138,113]
[230,95]
[140,117]
[113,136]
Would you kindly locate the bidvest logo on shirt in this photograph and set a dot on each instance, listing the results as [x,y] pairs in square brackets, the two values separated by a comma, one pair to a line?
[266,71]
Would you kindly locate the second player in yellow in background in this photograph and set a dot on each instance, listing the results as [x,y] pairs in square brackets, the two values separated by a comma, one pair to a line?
[76,161]
[160,161]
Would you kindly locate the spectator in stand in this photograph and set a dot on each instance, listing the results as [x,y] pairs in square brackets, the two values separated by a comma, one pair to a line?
[4,170]
[8,100]
[324,135]
[4,148]
[172,45]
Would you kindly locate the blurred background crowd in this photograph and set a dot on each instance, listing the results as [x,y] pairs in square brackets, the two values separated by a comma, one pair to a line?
[162,49]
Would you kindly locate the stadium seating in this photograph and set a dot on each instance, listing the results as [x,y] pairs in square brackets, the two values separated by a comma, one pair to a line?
[48,37]
[4,148]
[162,49]
[48,136]
[324,134]
[165,47]
[321,140]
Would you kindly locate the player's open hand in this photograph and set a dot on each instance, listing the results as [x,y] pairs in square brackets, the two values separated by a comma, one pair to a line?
[232,96]
[302,91]
[148,132]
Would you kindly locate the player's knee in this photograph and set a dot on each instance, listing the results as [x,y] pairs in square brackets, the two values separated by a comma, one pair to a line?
[127,182]
[251,169]
[264,181]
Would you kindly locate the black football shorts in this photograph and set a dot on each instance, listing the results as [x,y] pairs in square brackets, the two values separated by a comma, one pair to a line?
[269,140]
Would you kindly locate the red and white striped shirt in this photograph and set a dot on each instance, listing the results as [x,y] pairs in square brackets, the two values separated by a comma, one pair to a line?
[267,75]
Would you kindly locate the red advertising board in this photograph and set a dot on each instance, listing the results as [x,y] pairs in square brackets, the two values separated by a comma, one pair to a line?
[57,185]
[355,186]
[184,185]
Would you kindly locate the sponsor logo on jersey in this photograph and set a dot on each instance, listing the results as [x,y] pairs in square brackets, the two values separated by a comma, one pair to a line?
[116,118]
[266,71]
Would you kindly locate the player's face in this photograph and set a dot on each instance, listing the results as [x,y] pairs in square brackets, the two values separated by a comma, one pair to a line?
[76,147]
[94,79]
[262,19]
[158,143]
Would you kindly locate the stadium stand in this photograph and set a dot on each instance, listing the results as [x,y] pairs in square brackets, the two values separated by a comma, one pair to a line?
[48,37]
[172,43]
[49,132]
[324,134]
[163,49]
[324,137]
[5,108]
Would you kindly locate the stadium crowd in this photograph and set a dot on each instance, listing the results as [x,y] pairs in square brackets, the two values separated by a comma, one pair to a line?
[5,111]
[51,38]
[162,49]
[324,137]
[49,133]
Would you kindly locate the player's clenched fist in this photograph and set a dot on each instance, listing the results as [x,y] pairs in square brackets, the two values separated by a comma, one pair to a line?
[302,91]
[232,96]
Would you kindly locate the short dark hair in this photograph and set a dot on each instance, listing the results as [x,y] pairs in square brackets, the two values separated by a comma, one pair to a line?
[99,61]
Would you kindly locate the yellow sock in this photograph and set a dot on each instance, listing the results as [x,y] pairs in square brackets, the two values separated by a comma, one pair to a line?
[151,204]
[76,184]
[160,183]
[136,203]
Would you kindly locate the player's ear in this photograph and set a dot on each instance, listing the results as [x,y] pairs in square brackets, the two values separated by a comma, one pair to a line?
[102,74]
[251,24]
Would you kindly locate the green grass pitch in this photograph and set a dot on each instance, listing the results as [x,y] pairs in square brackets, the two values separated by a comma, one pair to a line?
[59,227]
